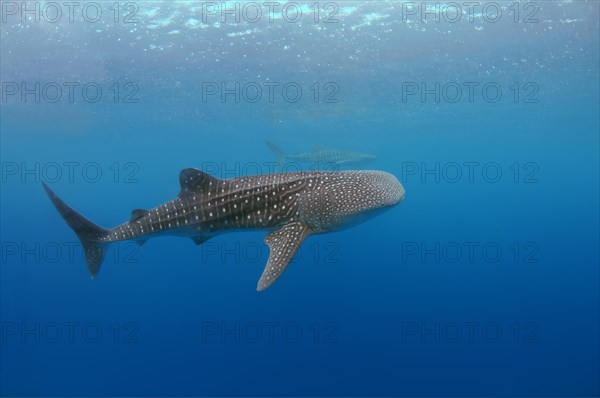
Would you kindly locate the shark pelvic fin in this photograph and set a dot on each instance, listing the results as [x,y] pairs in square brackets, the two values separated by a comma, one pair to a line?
[88,233]
[140,241]
[200,239]
[194,180]
[138,213]
[283,245]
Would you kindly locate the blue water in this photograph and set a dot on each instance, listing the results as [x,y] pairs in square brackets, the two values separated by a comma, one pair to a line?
[483,281]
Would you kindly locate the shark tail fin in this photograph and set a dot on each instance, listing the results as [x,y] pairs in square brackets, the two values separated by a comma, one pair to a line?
[279,154]
[88,233]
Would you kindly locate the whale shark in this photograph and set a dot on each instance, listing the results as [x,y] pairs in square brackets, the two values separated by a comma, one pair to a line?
[337,157]
[291,206]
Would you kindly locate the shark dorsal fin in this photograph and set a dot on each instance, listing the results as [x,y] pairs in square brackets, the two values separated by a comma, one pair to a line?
[137,213]
[317,148]
[194,180]
[283,245]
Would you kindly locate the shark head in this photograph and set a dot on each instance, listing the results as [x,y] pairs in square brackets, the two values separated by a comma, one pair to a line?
[328,201]
[344,199]
[385,187]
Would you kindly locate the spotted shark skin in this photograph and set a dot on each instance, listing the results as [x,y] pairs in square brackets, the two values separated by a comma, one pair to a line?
[292,206]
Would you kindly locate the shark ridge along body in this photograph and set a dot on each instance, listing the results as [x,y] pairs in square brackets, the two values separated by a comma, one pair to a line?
[291,205]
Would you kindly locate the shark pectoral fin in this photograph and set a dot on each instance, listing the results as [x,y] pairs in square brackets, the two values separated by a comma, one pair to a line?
[283,245]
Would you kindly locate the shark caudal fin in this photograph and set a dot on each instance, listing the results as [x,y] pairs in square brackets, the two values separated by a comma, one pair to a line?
[279,154]
[87,232]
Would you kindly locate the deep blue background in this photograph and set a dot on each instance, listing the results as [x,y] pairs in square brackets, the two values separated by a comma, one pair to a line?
[357,295]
